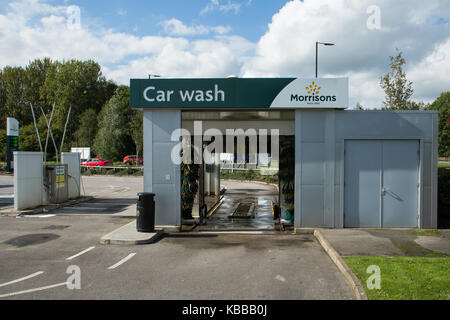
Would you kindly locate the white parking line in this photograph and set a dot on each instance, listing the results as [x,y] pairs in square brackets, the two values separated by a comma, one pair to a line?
[22,279]
[80,253]
[41,216]
[33,290]
[131,255]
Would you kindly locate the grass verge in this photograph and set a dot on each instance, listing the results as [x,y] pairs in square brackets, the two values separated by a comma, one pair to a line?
[427,232]
[405,278]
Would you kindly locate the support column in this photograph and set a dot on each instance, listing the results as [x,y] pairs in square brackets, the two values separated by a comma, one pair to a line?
[161,175]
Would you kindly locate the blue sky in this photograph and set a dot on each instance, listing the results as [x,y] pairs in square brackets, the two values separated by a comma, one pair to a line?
[245,38]
[250,18]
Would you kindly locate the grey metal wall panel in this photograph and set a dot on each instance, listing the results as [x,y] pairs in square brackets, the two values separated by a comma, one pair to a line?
[72,159]
[400,181]
[298,170]
[338,221]
[426,221]
[164,123]
[427,165]
[362,183]
[338,162]
[313,126]
[330,167]
[166,172]
[313,163]
[166,208]
[383,124]
[148,150]
[312,206]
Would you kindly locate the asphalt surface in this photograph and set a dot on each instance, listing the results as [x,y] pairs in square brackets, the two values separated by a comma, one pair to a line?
[180,266]
[34,254]
[6,184]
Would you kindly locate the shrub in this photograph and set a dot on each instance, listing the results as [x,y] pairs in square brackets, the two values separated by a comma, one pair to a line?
[250,175]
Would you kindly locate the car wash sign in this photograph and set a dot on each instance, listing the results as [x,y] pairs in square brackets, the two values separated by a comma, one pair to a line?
[237,93]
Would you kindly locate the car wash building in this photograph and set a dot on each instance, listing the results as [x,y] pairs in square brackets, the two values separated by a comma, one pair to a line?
[349,168]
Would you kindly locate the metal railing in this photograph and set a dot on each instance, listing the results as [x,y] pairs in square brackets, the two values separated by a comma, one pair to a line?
[114,167]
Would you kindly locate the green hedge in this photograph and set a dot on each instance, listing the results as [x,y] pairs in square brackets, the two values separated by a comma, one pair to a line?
[125,171]
[444,192]
[249,175]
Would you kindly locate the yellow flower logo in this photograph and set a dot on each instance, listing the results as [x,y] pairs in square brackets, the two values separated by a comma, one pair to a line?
[313,88]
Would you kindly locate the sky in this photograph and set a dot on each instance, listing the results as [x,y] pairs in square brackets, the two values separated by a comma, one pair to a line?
[244,38]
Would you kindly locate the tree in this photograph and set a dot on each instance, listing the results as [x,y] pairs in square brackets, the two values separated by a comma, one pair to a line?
[397,88]
[113,140]
[15,105]
[34,78]
[87,129]
[137,130]
[75,83]
[442,104]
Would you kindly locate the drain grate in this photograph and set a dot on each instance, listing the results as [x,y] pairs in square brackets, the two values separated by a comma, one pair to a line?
[243,211]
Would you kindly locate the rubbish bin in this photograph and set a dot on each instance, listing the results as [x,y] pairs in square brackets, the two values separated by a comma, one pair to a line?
[145,213]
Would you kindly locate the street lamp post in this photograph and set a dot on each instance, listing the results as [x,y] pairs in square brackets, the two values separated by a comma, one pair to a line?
[317,51]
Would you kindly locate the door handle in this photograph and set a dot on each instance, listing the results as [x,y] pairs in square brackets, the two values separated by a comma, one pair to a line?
[383,191]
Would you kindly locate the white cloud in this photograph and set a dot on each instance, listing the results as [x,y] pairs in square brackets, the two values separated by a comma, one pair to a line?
[44,32]
[176,27]
[431,76]
[122,12]
[217,5]
[218,57]
[288,47]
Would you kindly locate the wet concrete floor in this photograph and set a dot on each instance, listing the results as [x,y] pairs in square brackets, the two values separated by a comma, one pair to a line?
[261,196]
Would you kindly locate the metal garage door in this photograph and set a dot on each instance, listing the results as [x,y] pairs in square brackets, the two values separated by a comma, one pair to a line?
[381,183]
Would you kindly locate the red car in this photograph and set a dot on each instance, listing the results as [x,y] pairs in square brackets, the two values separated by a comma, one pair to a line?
[96,162]
[132,160]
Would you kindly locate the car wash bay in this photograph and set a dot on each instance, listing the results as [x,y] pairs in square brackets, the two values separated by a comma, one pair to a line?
[352,168]
[245,205]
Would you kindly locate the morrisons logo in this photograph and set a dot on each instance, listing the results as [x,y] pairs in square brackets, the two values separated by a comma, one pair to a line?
[313,95]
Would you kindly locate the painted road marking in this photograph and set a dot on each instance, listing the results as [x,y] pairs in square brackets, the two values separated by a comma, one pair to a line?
[131,255]
[80,253]
[236,232]
[22,279]
[33,290]
[42,216]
